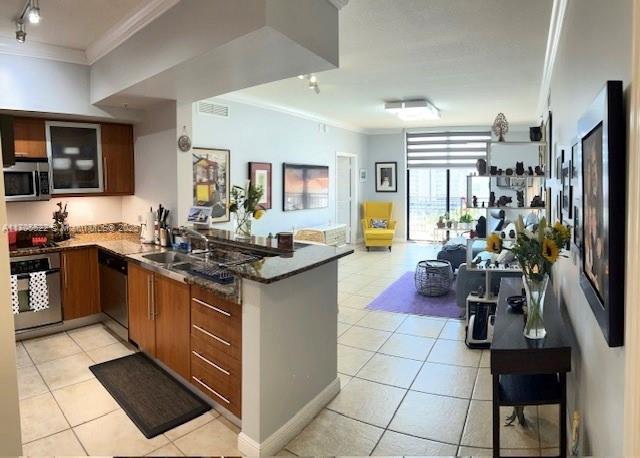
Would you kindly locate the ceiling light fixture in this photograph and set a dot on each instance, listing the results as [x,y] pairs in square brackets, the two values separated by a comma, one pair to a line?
[30,11]
[413,110]
[21,34]
[313,82]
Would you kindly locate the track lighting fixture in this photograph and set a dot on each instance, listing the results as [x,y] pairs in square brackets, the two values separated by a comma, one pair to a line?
[30,11]
[313,82]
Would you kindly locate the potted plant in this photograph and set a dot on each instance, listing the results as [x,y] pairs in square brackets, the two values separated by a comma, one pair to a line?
[536,251]
[245,207]
[448,220]
[440,222]
[466,220]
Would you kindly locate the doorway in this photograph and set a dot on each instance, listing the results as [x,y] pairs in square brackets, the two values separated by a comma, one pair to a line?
[346,193]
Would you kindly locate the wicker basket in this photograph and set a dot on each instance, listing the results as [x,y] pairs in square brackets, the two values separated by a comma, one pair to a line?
[433,278]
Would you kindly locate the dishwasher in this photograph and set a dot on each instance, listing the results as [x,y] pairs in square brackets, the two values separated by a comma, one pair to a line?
[113,287]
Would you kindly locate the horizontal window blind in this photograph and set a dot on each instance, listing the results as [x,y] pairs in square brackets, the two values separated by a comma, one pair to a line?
[446,149]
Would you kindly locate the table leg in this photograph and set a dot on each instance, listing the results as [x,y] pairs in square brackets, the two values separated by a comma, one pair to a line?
[496,415]
[563,415]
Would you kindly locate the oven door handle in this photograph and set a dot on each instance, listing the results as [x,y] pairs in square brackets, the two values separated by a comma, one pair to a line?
[36,183]
[47,272]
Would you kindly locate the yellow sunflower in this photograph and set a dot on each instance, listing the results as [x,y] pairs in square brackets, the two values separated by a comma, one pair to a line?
[494,243]
[550,250]
[563,230]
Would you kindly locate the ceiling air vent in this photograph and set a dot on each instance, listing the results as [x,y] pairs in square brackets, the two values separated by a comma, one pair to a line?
[213,109]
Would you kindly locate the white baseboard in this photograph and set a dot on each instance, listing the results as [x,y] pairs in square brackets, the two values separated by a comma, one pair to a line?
[279,439]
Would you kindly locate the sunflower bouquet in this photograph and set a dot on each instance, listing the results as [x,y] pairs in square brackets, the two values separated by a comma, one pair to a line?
[245,206]
[536,251]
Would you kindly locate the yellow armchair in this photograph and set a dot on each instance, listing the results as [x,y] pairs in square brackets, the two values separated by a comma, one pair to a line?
[377,236]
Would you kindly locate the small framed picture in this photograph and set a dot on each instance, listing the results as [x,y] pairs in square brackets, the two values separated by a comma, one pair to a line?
[363,175]
[260,175]
[386,177]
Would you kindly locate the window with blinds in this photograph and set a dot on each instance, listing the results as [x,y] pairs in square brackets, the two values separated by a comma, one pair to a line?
[446,149]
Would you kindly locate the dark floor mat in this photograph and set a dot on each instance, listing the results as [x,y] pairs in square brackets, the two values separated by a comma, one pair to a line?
[154,400]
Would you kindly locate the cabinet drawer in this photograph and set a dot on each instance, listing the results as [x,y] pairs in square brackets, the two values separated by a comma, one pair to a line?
[216,322]
[210,350]
[225,390]
[217,342]
[212,299]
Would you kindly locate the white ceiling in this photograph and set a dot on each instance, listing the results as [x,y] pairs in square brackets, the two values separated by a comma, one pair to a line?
[72,24]
[471,58]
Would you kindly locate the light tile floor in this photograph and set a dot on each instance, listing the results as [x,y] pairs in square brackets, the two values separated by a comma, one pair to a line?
[410,387]
[65,411]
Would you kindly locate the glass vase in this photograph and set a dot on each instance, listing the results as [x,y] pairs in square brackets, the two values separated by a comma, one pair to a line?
[535,290]
[243,227]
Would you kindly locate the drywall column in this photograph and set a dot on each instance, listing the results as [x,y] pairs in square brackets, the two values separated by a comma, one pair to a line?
[289,356]
[10,443]
[184,165]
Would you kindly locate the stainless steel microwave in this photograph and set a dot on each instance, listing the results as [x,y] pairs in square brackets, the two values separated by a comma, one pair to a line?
[27,180]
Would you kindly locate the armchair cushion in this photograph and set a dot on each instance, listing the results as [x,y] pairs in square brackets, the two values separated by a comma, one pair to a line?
[379,223]
[379,234]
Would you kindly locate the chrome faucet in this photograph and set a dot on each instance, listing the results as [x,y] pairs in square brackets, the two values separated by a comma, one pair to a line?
[193,234]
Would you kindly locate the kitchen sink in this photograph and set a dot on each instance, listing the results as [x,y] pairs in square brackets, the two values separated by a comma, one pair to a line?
[168,257]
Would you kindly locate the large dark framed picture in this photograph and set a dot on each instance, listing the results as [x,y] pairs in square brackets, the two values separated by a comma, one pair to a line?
[211,181]
[260,175]
[576,182]
[305,187]
[386,177]
[602,134]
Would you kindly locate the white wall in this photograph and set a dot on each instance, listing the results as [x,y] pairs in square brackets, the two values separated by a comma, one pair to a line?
[595,47]
[261,135]
[155,164]
[389,148]
[82,210]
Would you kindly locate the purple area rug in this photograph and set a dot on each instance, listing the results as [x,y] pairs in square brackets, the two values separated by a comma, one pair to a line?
[402,297]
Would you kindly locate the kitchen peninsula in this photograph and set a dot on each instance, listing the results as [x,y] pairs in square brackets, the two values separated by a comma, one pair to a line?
[261,347]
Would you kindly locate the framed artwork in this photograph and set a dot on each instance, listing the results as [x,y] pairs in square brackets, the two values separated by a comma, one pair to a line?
[567,191]
[363,175]
[386,177]
[305,187]
[260,175]
[211,181]
[602,278]
[576,182]
[548,138]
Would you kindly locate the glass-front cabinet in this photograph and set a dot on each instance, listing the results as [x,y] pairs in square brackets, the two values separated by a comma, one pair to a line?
[75,155]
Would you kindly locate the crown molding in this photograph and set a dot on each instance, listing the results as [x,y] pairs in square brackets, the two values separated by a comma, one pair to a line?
[42,51]
[558,14]
[339,4]
[126,28]
[251,101]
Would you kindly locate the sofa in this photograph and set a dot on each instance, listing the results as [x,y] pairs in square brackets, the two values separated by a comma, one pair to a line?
[378,237]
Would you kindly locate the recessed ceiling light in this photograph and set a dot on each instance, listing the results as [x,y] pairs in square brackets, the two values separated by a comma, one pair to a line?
[413,110]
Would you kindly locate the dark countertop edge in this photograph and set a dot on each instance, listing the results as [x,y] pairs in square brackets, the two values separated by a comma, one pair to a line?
[79,246]
[300,270]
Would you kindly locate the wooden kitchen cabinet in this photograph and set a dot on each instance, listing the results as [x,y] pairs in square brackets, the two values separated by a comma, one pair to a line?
[29,138]
[80,283]
[159,317]
[172,324]
[117,158]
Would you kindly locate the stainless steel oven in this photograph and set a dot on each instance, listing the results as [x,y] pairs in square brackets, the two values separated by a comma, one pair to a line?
[27,180]
[21,267]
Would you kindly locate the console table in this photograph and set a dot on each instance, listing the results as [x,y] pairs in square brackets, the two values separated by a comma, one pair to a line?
[527,372]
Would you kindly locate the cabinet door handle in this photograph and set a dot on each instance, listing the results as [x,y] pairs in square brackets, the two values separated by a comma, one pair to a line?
[64,263]
[208,388]
[149,298]
[213,336]
[209,306]
[105,173]
[153,297]
[210,363]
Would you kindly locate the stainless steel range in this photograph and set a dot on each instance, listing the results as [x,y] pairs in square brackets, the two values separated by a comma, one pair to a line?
[21,267]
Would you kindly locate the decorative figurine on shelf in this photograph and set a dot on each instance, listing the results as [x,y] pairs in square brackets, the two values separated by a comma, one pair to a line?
[475,202]
[481,165]
[483,204]
[535,133]
[500,126]
[519,168]
[508,236]
[500,172]
[481,227]
[492,199]
[537,202]
[509,172]
[520,198]
[530,171]
[493,170]
[539,171]
[60,225]
[503,201]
